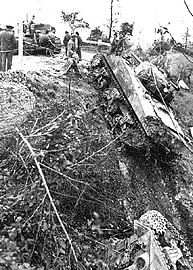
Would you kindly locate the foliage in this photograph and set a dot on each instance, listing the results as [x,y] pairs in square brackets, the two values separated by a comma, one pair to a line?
[95,34]
[73,20]
[81,166]
[81,170]
[127,28]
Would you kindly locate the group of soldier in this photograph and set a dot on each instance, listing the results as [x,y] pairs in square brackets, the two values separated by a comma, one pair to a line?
[8,45]
[73,44]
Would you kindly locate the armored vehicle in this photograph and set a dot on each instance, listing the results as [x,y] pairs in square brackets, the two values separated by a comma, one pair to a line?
[39,40]
[136,104]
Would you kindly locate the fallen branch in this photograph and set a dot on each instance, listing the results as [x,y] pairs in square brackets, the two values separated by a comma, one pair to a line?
[48,192]
[48,124]
[97,152]
[42,202]
[69,178]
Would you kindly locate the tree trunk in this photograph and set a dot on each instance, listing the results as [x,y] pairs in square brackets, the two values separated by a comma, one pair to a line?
[111,20]
[186,37]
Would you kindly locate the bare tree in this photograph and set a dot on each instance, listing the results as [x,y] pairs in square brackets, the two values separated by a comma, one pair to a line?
[113,19]
[188,8]
[73,20]
[185,37]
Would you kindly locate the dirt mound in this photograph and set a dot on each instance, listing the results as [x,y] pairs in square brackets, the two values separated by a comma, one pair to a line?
[16,101]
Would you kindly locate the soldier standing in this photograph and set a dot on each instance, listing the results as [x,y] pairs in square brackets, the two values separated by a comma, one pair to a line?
[114,44]
[7,45]
[78,44]
[65,41]
[31,23]
[73,58]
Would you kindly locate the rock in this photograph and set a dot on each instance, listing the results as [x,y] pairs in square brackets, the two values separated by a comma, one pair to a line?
[179,66]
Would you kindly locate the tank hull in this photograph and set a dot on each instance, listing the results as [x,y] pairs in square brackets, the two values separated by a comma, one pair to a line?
[132,113]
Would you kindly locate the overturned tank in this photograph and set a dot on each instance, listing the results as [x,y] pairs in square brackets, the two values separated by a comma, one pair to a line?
[138,115]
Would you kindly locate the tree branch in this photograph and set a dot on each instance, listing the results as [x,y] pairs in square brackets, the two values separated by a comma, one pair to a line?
[48,192]
[188,8]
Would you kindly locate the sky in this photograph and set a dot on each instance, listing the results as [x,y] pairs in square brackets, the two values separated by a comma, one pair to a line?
[147,15]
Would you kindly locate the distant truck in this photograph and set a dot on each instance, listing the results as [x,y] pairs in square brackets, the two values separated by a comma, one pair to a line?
[41,39]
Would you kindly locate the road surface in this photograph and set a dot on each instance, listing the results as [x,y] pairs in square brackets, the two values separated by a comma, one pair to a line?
[34,63]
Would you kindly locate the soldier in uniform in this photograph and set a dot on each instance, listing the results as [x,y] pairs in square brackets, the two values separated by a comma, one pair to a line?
[72,55]
[78,44]
[65,41]
[7,45]
[114,44]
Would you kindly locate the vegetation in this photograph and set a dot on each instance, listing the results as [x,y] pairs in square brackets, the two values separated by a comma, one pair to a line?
[127,28]
[69,192]
[95,34]
[60,182]
[73,20]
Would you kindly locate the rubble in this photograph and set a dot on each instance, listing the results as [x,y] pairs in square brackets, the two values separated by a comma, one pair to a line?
[155,242]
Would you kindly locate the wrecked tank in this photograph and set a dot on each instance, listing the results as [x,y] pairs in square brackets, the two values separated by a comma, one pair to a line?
[155,244]
[138,115]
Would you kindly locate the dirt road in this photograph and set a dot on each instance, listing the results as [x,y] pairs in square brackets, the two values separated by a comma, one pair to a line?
[34,63]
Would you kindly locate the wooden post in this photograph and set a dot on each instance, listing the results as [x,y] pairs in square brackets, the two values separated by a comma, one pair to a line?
[20,43]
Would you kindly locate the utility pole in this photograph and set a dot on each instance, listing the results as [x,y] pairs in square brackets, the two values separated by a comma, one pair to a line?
[20,49]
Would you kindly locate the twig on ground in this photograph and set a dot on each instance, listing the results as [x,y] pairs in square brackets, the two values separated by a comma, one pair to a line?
[48,124]
[67,177]
[29,174]
[95,153]
[35,123]
[84,183]
[36,239]
[48,192]
[35,210]
[77,202]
